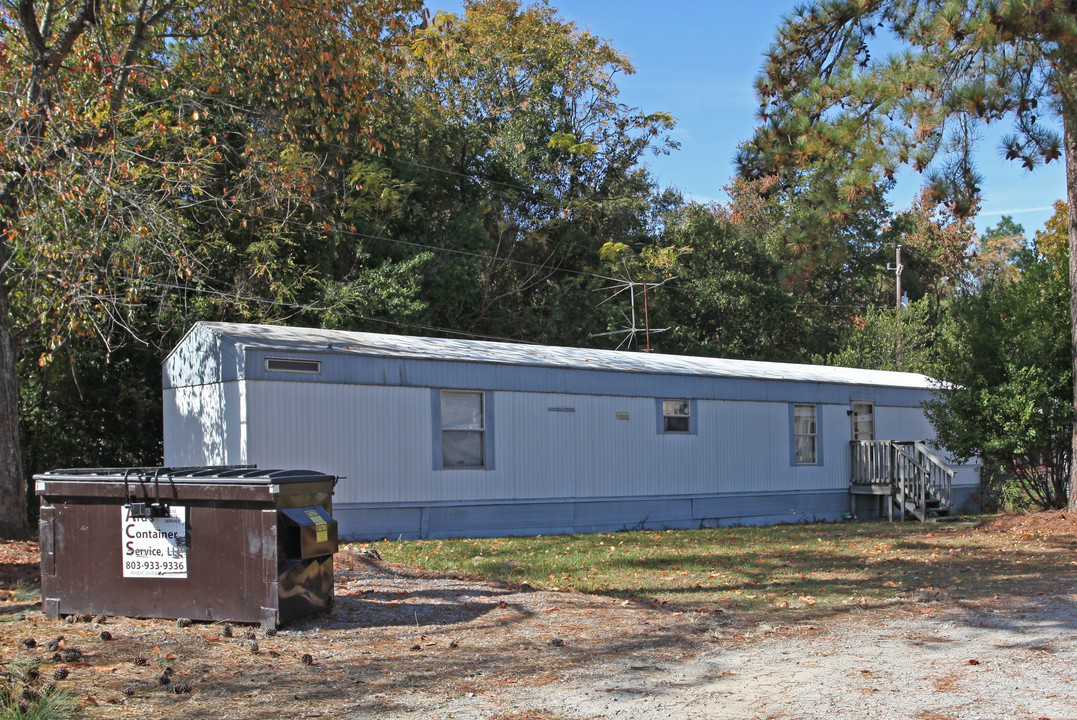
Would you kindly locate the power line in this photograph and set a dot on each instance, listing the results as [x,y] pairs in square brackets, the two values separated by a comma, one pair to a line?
[435,248]
[413,163]
[237,298]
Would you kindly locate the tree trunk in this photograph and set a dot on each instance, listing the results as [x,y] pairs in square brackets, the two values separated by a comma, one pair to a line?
[12,483]
[1069,122]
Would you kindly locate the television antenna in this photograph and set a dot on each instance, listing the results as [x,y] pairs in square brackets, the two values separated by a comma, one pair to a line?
[629,285]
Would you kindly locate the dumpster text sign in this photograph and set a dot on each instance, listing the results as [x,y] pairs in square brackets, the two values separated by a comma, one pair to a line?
[155,547]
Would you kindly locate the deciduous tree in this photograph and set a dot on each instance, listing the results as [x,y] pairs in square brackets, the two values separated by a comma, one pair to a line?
[1004,353]
[538,165]
[107,112]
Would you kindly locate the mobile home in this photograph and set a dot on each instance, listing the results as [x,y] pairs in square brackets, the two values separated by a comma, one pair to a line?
[435,437]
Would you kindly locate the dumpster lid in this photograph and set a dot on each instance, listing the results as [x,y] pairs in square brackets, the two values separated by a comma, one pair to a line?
[304,516]
[214,474]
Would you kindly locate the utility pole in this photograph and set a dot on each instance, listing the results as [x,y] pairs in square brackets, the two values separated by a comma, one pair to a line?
[896,268]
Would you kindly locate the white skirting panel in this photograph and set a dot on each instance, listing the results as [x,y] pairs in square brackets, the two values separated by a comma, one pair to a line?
[556,517]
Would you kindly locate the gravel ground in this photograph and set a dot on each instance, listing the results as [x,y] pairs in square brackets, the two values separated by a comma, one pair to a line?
[1016,664]
[405,644]
[1011,659]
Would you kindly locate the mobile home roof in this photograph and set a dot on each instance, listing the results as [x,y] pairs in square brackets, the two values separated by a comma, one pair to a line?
[307,340]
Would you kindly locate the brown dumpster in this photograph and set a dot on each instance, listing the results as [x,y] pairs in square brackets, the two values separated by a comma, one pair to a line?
[205,543]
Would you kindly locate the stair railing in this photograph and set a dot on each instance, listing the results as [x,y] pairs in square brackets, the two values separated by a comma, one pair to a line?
[916,474]
[941,476]
[913,477]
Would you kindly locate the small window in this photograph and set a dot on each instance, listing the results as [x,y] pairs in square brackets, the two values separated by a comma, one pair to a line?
[676,416]
[805,434]
[293,365]
[463,429]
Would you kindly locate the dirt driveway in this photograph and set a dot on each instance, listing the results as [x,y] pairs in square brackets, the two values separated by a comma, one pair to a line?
[402,643]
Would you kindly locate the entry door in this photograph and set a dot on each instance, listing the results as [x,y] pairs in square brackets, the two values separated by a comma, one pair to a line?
[863,421]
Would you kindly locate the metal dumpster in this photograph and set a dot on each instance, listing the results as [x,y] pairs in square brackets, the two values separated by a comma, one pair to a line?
[205,543]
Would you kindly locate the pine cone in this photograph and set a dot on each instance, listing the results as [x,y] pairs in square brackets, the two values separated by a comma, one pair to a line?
[106,635]
[226,631]
[29,643]
[183,622]
[179,688]
[61,674]
[307,659]
[140,661]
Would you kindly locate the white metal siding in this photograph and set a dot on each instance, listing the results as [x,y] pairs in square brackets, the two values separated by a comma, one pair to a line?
[902,423]
[589,453]
[203,425]
[380,439]
[377,438]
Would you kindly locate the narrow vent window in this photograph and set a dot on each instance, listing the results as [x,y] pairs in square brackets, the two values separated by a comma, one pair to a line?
[293,366]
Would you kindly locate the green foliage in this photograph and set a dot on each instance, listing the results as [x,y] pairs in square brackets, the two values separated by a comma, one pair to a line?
[883,339]
[538,168]
[1005,352]
[995,254]
[25,696]
[832,255]
[728,299]
[86,408]
[1052,242]
[935,246]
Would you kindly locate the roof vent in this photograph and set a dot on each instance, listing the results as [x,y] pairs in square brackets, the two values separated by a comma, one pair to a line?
[293,366]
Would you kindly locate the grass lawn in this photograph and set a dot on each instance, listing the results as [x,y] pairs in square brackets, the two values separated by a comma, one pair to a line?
[785,570]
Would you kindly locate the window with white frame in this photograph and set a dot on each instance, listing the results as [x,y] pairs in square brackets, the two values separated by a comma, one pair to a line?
[463,429]
[676,416]
[805,435]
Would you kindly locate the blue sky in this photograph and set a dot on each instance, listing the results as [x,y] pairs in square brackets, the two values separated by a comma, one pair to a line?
[697,59]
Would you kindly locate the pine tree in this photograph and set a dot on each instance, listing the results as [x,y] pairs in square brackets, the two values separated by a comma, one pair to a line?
[827,101]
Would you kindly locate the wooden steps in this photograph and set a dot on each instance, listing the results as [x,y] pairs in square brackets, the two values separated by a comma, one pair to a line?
[916,480]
